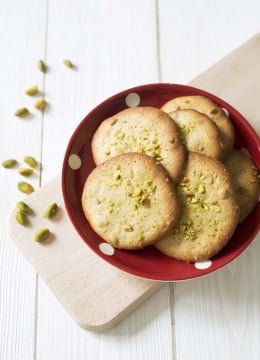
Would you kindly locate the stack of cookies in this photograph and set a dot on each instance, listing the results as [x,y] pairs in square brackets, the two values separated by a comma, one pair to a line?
[160,179]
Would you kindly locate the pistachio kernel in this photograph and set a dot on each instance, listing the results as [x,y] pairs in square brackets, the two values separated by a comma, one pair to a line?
[29,160]
[22,112]
[25,187]
[149,182]
[40,104]
[117,175]
[210,180]
[137,192]
[201,189]
[50,211]
[42,66]
[25,171]
[205,206]
[213,222]
[21,217]
[33,90]
[128,228]
[24,208]
[68,63]
[120,136]
[41,235]
[9,163]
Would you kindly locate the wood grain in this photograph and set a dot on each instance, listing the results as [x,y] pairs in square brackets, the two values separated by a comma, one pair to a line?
[22,44]
[120,36]
[80,280]
[95,294]
[217,316]
[110,43]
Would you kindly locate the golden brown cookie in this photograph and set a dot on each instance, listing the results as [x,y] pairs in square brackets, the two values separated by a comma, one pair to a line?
[212,110]
[198,132]
[246,181]
[130,201]
[142,129]
[210,211]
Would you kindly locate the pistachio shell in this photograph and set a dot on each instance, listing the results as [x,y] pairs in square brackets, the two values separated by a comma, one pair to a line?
[9,163]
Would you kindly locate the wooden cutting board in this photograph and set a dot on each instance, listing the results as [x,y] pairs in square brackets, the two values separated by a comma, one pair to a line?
[95,294]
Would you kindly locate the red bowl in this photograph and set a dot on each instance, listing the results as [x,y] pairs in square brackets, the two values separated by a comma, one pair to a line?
[149,263]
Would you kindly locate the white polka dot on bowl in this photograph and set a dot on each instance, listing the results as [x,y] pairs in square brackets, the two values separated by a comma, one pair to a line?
[74,162]
[106,249]
[201,265]
[132,100]
[225,111]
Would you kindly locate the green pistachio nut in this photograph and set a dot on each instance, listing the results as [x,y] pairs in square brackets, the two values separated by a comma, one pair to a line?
[29,160]
[41,235]
[50,211]
[9,163]
[22,112]
[25,171]
[25,187]
[21,217]
[24,208]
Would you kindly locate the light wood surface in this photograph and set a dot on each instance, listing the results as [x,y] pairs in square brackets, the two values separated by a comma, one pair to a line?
[95,294]
[116,46]
[79,279]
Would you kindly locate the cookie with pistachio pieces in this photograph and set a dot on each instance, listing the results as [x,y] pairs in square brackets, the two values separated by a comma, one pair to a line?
[144,130]
[130,201]
[246,180]
[210,211]
[212,110]
[198,132]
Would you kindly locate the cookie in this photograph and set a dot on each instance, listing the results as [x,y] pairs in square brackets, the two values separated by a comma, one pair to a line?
[198,132]
[210,211]
[212,110]
[130,201]
[246,181]
[142,129]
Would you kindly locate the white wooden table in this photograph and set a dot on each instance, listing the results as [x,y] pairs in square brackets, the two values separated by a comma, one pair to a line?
[115,45]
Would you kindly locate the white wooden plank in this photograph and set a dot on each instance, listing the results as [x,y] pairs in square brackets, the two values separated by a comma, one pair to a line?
[77,277]
[110,43]
[145,334]
[22,28]
[217,316]
[194,35]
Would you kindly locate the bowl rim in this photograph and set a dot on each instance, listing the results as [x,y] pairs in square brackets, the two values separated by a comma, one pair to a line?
[125,268]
